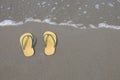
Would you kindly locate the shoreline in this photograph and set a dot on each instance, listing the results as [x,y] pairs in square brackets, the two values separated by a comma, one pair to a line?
[103,25]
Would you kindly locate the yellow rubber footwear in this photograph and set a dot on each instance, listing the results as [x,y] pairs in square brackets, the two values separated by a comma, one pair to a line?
[26,41]
[50,42]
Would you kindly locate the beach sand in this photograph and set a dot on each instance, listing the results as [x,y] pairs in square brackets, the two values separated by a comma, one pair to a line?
[81,54]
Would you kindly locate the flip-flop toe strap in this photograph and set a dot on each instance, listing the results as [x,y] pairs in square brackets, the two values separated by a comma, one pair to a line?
[24,44]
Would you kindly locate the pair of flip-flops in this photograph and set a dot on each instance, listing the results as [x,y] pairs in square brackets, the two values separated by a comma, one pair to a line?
[27,42]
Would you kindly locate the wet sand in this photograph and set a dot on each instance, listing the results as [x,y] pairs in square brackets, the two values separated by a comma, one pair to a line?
[81,54]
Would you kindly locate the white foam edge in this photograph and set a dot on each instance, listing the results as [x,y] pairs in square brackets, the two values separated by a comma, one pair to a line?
[105,25]
[10,23]
[48,21]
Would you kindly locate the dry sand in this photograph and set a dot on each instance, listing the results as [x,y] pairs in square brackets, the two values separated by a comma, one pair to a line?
[88,54]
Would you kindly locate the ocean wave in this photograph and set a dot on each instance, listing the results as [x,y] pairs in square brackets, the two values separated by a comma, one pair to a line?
[48,21]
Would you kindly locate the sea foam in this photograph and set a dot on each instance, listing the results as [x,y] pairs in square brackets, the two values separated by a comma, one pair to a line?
[10,23]
[48,21]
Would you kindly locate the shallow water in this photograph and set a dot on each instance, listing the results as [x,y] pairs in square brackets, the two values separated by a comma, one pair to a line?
[76,13]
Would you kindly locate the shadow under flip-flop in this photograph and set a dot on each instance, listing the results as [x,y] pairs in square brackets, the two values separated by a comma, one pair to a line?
[34,40]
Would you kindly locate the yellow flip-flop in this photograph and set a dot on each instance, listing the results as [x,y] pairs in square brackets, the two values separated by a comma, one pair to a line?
[26,41]
[50,39]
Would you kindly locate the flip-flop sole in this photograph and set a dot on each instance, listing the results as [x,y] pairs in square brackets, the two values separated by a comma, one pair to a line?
[28,51]
[50,45]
